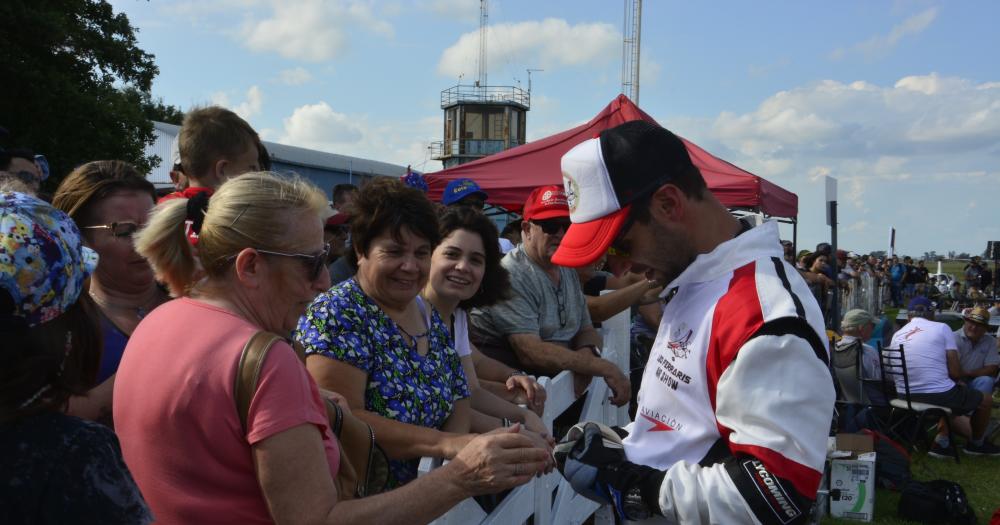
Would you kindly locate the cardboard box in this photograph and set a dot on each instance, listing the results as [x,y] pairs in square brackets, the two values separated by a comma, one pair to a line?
[852,478]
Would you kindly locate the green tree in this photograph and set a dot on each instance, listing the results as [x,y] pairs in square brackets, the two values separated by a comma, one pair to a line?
[76,86]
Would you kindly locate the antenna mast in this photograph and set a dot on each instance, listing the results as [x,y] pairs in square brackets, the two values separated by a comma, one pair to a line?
[483,23]
[631,30]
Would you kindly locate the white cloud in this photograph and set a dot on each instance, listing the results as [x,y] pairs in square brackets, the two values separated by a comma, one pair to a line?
[548,43]
[252,104]
[319,126]
[311,30]
[904,152]
[295,76]
[881,45]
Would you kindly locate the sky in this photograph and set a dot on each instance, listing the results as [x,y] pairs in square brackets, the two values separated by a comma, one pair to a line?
[899,101]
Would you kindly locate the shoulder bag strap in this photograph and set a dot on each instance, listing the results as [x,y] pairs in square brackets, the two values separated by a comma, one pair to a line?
[248,372]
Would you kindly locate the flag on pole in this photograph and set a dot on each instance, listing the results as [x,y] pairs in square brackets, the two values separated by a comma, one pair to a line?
[892,241]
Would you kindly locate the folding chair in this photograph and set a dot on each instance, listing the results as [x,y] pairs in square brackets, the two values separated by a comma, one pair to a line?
[853,402]
[905,411]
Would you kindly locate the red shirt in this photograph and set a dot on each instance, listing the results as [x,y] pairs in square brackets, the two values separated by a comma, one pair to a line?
[186,193]
[176,417]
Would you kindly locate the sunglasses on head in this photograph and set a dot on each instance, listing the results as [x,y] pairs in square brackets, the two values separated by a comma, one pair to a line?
[118,229]
[313,263]
[553,226]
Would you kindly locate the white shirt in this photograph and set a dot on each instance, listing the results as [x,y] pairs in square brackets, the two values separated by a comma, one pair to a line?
[925,344]
[461,335]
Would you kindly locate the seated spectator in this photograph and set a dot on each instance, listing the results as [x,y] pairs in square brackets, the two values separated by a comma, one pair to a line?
[464,192]
[110,201]
[977,351]
[545,327]
[54,468]
[933,366]
[373,340]
[214,144]
[261,244]
[19,164]
[858,326]
[466,273]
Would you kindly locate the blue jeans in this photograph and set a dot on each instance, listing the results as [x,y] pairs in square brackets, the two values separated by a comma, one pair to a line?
[983,384]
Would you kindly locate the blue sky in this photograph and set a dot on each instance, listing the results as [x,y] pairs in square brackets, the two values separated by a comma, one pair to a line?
[898,100]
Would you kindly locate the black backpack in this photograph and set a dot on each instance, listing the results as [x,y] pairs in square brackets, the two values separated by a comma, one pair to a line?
[938,501]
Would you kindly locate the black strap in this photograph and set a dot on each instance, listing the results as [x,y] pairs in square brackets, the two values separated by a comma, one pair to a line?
[197,206]
[779,268]
[798,327]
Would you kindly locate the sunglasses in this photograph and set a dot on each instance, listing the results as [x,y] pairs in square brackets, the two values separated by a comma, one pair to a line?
[618,246]
[118,230]
[313,263]
[553,226]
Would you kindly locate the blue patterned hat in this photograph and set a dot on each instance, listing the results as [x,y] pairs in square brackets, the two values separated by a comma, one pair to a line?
[43,262]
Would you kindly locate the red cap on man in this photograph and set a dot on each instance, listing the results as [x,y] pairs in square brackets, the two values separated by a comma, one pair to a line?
[546,202]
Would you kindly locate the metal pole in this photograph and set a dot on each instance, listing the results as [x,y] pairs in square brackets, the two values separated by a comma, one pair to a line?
[836,271]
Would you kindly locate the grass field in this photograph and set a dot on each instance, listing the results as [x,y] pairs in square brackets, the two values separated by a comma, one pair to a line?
[978,475]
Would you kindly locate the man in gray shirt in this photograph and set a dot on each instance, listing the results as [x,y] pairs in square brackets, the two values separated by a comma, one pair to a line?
[544,328]
[977,351]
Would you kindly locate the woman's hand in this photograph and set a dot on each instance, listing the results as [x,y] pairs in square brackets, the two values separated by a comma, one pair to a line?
[534,423]
[497,461]
[528,392]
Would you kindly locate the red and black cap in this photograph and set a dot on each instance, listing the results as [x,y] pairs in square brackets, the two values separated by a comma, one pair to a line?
[604,175]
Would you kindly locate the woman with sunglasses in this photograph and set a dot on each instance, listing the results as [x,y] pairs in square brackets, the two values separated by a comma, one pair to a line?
[373,340]
[260,244]
[110,200]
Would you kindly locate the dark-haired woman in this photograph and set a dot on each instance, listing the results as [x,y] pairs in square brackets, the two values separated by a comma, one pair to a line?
[110,200]
[466,273]
[54,468]
[376,342]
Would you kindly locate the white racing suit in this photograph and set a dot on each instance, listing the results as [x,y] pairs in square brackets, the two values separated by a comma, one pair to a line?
[737,397]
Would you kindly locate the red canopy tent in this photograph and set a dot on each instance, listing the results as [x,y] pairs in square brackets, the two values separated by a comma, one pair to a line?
[508,177]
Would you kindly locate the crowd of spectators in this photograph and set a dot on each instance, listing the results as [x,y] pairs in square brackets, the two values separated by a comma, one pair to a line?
[127,313]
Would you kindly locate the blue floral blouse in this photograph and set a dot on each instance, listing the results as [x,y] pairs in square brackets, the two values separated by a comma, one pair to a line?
[345,324]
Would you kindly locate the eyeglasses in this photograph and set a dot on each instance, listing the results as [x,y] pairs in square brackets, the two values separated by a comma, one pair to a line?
[314,263]
[118,229]
[553,226]
[562,308]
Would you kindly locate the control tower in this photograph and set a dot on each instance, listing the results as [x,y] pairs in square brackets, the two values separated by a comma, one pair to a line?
[480,119]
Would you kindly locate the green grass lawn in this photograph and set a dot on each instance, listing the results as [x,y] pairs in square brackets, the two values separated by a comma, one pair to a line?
[978,475]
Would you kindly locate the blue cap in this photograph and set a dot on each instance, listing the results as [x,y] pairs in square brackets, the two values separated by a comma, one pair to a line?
[920,303]
[459,189]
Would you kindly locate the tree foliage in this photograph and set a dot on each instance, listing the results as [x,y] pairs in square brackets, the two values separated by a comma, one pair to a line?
[76,86]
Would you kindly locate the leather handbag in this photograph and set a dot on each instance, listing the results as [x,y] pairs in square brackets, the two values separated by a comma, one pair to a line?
[364,467]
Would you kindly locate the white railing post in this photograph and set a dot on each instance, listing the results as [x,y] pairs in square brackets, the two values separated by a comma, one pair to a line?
[535,498]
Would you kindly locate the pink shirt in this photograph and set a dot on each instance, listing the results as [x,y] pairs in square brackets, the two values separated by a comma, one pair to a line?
[176,418]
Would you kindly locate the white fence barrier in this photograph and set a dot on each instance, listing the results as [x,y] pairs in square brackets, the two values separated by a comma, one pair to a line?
[536,497]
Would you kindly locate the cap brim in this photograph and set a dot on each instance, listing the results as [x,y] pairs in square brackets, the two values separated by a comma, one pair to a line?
[585,242]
